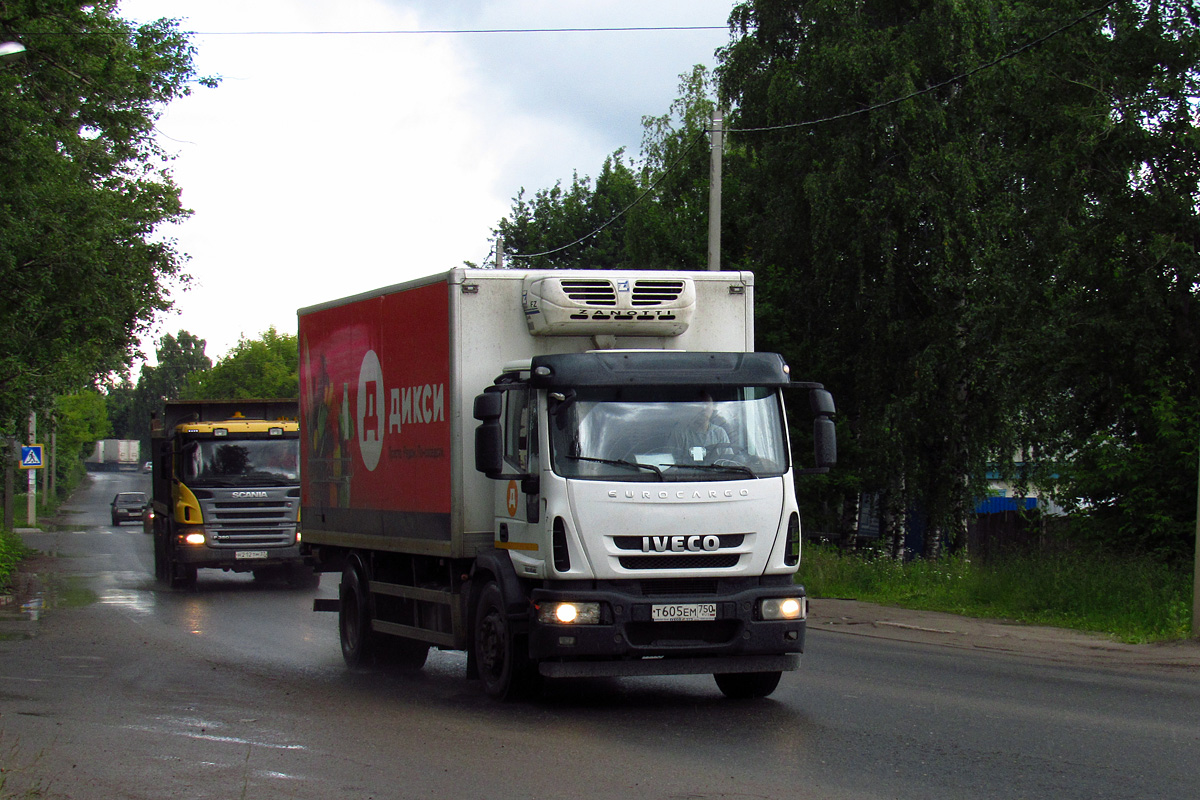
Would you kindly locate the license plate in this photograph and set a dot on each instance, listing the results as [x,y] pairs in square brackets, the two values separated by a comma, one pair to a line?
[684,612]
[250,554]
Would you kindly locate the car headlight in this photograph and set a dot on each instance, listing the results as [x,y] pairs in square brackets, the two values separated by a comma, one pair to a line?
[784,608]
[569,613]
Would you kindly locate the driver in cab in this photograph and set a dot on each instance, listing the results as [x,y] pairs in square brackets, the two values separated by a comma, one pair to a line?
[696,436]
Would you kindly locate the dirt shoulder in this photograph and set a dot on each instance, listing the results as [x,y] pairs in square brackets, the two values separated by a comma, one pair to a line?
[1057,644]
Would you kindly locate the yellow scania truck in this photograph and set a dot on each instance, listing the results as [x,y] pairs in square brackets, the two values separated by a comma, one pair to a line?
[226,490]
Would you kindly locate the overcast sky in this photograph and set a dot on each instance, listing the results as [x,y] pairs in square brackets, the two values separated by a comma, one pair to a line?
[327,165]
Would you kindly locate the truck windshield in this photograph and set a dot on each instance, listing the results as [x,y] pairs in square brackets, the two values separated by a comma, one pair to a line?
[668,434]
[243,462]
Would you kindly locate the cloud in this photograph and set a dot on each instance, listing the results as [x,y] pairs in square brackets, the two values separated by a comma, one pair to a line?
[327,165]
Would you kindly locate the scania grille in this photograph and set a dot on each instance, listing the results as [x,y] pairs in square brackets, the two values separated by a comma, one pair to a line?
[590,292]
[656,293]
[251,523]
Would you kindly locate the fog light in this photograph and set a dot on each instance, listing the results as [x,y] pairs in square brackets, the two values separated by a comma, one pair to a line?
[784,608]
[569,614]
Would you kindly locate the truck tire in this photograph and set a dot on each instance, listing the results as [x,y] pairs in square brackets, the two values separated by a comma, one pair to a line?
[747,685]
[501,657]
[354,616]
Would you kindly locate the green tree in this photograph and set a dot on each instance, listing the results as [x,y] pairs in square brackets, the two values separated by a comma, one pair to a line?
[84,189]
[669,227]
[267,367]
[962,260]
[131,406]
[557,217]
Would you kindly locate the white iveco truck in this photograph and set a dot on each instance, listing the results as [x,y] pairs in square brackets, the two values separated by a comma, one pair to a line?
[582,473]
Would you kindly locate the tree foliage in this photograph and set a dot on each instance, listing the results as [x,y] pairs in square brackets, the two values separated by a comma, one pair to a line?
[974,220]
[993,264]
[267,367]
[83,189]
[131,406]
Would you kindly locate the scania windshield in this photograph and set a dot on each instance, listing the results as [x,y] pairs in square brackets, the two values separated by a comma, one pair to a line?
[668,434]
[241,462]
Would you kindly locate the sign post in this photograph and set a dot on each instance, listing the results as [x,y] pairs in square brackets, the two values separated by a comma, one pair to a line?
[31,461]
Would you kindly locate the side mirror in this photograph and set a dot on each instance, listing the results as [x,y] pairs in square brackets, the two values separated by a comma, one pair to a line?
[824,442]
[821,402]
[489,444]
[824,431]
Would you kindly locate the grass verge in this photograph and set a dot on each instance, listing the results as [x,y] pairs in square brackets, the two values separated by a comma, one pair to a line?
[1133,599]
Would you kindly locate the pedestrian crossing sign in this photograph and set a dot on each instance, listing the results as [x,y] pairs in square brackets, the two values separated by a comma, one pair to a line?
[31,456]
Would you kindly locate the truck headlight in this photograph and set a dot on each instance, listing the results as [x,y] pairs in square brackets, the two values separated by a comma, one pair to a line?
[192,536]
[569,613]
[784,608]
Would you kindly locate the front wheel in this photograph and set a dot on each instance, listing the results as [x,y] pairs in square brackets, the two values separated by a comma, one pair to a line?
[500,655]
[747,685]
[354,617]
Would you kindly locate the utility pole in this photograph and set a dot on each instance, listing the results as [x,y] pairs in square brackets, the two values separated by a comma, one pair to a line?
[714,191]
[499,252]
[31,495]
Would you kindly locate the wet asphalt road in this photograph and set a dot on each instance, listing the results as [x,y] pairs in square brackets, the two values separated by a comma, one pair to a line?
[125,689]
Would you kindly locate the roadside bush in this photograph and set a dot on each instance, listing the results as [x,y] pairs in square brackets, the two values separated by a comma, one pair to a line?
[12,551]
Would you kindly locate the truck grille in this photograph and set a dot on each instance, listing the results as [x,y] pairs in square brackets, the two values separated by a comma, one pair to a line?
[239,523]
[727,556]
[715,561]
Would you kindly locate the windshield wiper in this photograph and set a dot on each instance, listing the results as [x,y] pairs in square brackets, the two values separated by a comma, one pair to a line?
[620,463]
[719,468]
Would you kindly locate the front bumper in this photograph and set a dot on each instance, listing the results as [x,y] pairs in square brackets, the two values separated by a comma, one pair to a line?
[228,559]
[629,642]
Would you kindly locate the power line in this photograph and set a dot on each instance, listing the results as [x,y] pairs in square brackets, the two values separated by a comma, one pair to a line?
[454,31]
[956,79]
[399,32]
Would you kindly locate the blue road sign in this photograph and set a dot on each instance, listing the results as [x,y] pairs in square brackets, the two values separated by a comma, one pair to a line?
[31,456]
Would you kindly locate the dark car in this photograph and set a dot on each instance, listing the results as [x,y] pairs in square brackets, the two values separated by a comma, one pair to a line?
[128,507]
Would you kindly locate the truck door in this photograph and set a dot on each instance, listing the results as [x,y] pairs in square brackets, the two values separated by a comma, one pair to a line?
[518,500]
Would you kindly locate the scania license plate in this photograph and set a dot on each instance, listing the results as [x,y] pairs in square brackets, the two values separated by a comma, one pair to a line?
[684,612]
[240,554]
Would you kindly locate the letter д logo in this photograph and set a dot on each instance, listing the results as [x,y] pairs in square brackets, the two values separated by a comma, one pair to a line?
[370,410]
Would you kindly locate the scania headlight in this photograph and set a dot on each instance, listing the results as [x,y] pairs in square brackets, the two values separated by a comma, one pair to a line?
[784,608]
[569,613]
[192,536]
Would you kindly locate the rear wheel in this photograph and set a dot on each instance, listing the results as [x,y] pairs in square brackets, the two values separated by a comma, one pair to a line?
[501,657]
[747,685]
[354,616]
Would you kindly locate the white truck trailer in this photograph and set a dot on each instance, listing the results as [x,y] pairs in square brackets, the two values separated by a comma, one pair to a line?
[622,503]
[115,455]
